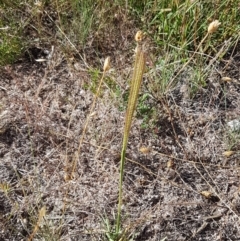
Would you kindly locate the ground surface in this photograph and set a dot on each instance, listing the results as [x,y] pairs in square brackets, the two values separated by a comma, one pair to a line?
[43,109]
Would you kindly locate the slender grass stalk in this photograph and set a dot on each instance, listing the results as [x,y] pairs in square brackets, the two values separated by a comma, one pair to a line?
[213,26]
[138,71]
[41,215]
[106,67]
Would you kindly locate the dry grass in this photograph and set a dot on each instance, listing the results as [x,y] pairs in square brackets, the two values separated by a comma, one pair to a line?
[179,183]
[43,133]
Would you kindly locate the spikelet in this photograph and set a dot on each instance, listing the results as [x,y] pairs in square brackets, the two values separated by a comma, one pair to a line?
[106,65]
[145,150]
[228,153]
[139,36]
[213,26]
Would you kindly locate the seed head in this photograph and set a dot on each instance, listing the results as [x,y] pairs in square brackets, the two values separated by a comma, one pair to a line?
[228,153]
[139,36]
[145,150]
[213,26]
[106,65]
[42,213]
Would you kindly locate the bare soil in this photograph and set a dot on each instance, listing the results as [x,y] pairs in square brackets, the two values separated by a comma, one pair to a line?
[182,187]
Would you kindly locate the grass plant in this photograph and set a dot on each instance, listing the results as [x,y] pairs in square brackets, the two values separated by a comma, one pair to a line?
[42,213]
[82,14]
[106,67]
[138,71]
[213,26]
[179,30]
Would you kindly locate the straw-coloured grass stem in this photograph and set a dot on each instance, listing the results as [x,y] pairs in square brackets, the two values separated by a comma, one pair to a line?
[139,67]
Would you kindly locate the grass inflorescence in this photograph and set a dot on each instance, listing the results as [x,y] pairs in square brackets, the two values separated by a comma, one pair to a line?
[138,71]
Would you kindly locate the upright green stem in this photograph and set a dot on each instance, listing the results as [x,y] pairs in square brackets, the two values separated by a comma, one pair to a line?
[120,189]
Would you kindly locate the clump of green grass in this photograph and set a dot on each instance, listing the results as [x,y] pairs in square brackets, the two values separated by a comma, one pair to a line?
[11,44]
[172,24]
[67,23]
[178,28]
[10,48]
[75,19]
[182,23]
